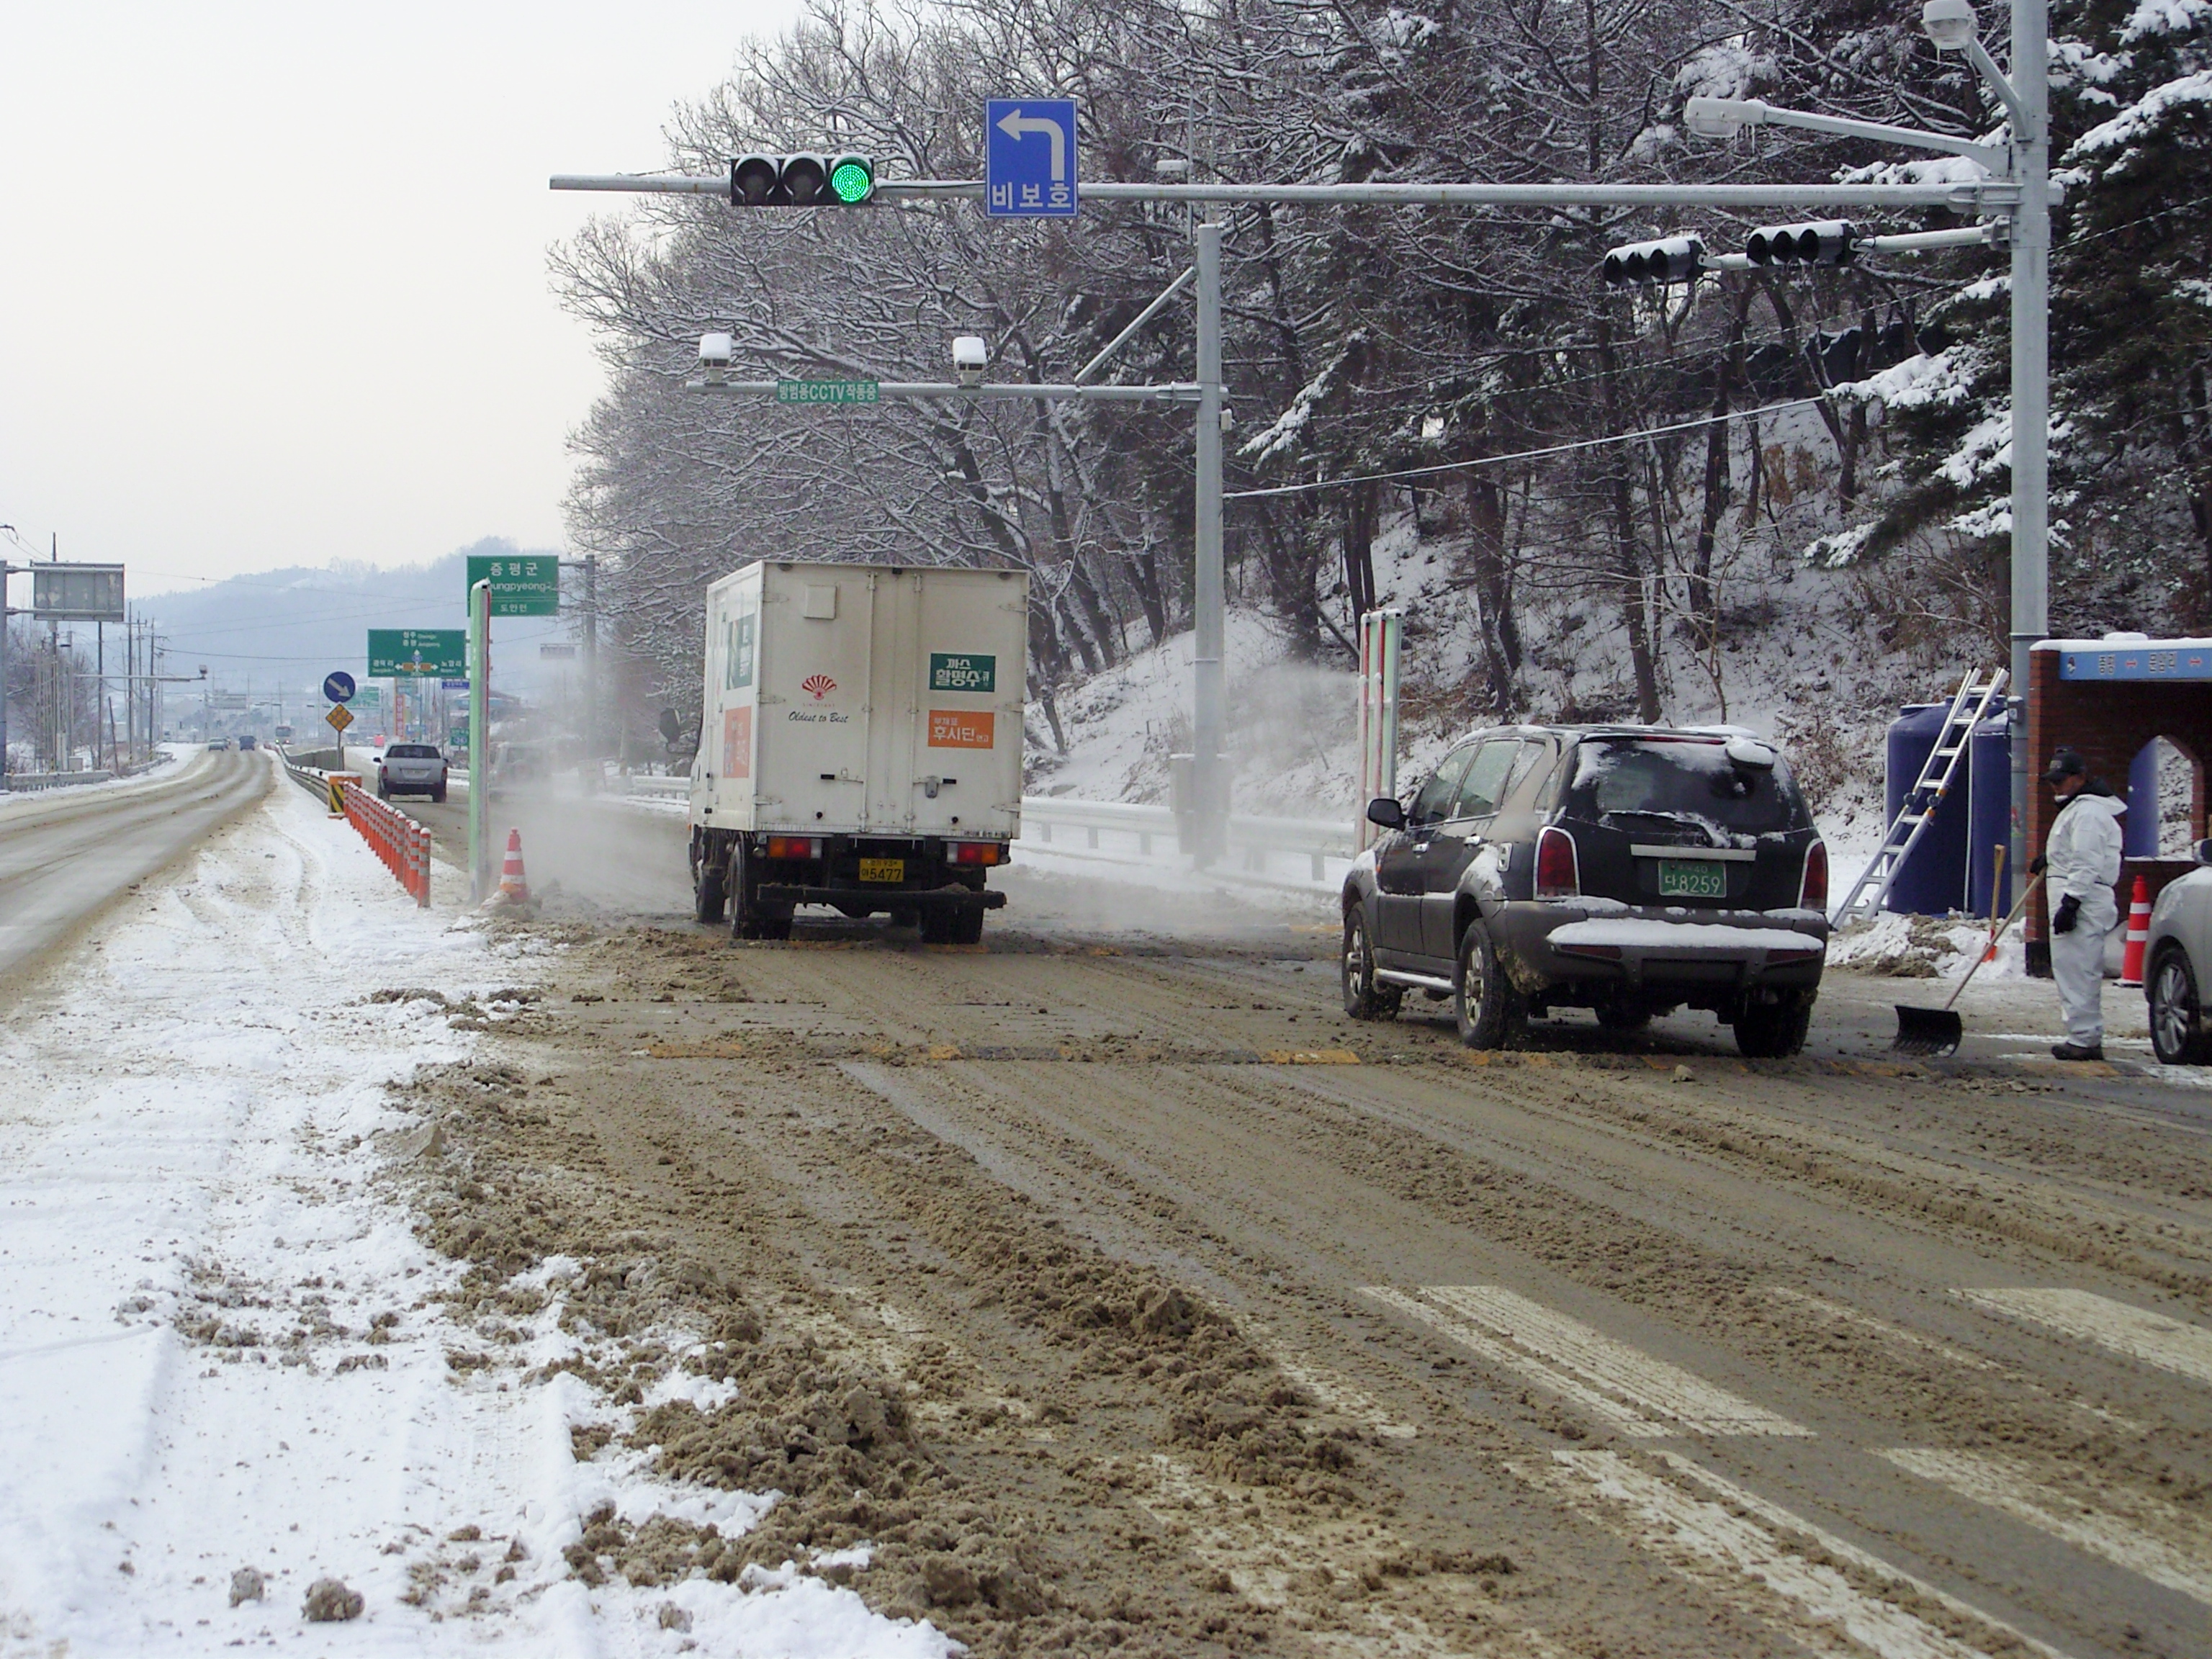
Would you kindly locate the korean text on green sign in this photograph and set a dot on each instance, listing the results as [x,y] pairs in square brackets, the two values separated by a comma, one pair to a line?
[420,652]
[826,392]
[521,585]
[963,670]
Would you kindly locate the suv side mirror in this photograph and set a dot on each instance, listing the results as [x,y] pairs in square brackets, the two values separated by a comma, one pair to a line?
[1387,811]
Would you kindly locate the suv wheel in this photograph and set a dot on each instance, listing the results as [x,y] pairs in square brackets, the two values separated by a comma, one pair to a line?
[1774,1031]
[2177,1017]
[1363,998]
[1491,1012]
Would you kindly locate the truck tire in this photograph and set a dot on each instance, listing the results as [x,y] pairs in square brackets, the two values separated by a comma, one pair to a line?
[708,896]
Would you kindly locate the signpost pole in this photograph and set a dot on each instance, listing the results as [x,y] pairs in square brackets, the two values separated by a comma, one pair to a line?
[1207,782]
[479,716]
[6,571]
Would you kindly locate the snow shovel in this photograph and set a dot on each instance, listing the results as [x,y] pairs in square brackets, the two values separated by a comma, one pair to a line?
[1938,1031]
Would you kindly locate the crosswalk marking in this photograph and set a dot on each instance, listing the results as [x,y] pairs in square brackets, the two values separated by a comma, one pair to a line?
[1995,1482]
[1724,1531]
[1629,1389]
[2155,1339]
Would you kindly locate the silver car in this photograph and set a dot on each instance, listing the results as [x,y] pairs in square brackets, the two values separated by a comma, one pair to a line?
[2175,962]
[411,769]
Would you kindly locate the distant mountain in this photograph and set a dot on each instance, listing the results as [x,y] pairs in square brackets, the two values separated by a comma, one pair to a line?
[289,628]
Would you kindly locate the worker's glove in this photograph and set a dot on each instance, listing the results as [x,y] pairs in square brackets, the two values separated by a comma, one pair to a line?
[2068,912]
[2035,865]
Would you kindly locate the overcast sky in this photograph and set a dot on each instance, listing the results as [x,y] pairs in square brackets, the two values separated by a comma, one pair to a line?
[272,277]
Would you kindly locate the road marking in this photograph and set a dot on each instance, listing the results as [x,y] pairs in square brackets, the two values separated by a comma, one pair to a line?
[1625,1386]
[1724,1534]
[2005,1487]
[2155,1340]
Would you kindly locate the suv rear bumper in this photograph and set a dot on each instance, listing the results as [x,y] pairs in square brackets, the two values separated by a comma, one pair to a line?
[1648,949]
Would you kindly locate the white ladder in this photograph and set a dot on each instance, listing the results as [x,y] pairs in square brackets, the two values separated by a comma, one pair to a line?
[1969,709]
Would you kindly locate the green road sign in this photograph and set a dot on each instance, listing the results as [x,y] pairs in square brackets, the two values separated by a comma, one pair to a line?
[420,652]
[524,585]
[826,392]
[963,670]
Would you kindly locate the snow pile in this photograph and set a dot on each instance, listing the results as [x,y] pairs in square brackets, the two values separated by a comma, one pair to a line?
[1925,947]
[223,1368]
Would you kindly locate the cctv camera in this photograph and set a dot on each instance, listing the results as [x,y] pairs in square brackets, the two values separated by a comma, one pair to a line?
[1950,23]
[715,350]
[970,357]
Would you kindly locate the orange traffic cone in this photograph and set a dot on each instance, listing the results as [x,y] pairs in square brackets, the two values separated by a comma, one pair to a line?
[2131,957]
[514,886]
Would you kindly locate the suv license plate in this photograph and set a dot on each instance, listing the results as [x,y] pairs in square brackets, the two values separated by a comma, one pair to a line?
[883,869]
[1693,879]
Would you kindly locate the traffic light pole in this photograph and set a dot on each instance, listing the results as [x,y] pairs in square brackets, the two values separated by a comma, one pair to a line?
[2023,197]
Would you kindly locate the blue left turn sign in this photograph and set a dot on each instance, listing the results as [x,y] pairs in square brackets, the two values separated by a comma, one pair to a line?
[1029,158]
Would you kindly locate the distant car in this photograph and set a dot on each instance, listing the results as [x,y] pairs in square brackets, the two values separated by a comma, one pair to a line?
[2176,959]
[247,741]
[411,768]
[218,743]
[1629,870]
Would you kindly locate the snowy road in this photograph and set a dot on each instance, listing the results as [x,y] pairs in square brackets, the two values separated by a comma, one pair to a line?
[64,856]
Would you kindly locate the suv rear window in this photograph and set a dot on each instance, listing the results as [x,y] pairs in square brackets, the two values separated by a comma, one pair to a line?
[1632,783]
[411,752]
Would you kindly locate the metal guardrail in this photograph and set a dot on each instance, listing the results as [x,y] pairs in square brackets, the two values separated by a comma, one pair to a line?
[1276,852]
[26,782]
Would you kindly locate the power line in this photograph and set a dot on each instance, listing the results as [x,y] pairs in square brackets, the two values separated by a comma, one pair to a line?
[1518,455]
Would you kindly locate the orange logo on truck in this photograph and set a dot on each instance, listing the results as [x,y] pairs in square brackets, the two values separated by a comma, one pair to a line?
[954,728]
[737,742]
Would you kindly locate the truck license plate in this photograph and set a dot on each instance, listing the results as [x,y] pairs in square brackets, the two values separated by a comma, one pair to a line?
[1693,879]
[883,869]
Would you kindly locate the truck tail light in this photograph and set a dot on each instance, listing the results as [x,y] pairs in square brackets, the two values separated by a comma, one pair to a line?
[794,847]
[976,852]
[1812,893]
[1558,876]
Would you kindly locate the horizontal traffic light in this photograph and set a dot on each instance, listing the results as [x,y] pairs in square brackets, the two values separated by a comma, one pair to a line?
[1824,242]
[1675,259]
[802,180]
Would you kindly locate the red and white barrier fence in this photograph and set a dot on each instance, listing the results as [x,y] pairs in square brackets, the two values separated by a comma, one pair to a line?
[402,845]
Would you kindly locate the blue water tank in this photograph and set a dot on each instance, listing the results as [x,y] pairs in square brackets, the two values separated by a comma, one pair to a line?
[1988,813]
[2139,828]
[1932,882]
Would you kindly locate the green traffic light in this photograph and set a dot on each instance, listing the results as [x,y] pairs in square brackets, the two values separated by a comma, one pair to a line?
[852,180]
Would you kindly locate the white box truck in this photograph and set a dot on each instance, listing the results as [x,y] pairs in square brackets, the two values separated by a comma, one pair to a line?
[860,744]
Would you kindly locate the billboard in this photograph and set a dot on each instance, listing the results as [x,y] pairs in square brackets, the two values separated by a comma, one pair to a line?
[76,593]
[418,652]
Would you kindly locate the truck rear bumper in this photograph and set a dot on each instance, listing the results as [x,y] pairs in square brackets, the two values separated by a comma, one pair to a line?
[884,898]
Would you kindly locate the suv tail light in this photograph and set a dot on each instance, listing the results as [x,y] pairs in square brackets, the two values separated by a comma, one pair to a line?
[1558,876]
[794,847]
[1813,894]
[976,852]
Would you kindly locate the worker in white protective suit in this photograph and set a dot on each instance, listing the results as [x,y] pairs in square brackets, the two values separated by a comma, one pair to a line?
[2079,865]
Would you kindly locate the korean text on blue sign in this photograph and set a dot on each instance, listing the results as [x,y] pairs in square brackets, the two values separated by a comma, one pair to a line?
[1029,158]
[2139,662]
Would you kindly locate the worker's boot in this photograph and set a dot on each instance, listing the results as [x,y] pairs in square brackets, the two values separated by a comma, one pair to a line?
[2076,1051]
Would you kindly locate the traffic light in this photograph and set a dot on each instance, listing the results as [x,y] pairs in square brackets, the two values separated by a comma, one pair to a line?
[802,180]
[1676,259]
[1825,242]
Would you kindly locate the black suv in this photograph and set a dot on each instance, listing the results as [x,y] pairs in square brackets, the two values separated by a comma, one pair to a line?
[1631,870]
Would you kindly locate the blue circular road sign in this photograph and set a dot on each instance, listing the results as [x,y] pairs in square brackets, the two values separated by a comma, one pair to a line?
[338,687]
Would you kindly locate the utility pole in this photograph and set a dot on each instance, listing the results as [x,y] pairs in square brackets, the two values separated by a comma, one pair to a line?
[589,564]
[2030,111]
[1210,812]
[479,718]
[6,571]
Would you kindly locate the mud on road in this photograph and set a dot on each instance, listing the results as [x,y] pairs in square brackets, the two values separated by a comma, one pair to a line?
[1125,1298]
